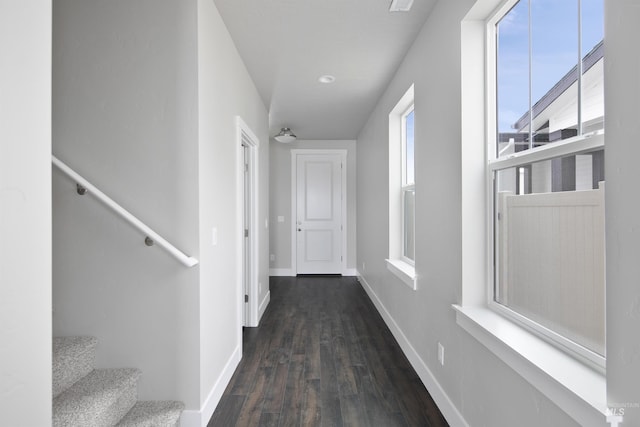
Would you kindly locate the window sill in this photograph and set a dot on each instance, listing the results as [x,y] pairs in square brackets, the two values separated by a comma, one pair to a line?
[405,272]
[575,388]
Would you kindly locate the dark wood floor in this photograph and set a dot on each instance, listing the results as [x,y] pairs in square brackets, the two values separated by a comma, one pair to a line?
[323,356]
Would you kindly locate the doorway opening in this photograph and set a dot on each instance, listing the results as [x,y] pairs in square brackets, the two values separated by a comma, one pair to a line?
[248,199]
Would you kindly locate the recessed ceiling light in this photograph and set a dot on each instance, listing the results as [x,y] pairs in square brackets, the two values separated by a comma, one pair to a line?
[400,5]
[327,79]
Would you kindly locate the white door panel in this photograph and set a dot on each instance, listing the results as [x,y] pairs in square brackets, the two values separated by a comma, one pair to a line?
[319,245]
[318,191]
[319,213]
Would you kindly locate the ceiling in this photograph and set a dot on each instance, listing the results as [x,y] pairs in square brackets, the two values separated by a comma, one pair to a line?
[288,44]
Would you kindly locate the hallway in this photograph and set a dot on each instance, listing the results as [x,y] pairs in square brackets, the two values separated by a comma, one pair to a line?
[323,356]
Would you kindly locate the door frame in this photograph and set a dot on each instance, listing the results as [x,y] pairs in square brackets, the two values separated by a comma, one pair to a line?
[248,312]
[294,209]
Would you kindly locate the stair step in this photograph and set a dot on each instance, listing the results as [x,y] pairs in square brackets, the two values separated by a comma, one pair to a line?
[73,358]
[153,414]
[100,399]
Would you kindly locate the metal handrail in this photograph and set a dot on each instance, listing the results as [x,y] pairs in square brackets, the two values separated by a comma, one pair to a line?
[151,237]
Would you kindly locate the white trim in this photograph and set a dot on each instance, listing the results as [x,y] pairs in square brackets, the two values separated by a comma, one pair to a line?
[350,272]
[574,387]
[186,260]
[397,163]
[437,392]
[244,127]
[571,146]
[475,209]
[263,305]
[287,272]
[284,272]
[201,417]
[294,212]
[239,285]
[246,136]
[582,354]
[404,271]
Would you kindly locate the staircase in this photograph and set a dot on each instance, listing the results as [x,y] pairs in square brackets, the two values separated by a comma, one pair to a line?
[84,396]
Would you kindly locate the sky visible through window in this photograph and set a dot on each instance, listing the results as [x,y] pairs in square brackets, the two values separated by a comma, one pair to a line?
[409,163]
[554,37]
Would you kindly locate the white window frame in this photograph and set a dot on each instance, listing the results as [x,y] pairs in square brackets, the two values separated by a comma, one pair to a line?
[572,146]
[405,186]
[398,264]
[574,386]
[579,144]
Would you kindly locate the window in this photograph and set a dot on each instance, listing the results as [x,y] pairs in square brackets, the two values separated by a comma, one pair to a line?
[401,260]
[506,301]
[408,188]
[546,163]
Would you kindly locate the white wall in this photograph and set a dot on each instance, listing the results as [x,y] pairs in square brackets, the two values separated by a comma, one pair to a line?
[280,203]
[146,96]
[25,212]
[125,117]
[473,385]
[225,92]
[622,104]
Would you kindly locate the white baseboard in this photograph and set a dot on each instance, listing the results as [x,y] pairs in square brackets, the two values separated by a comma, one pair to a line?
[201,418]
[263,305]
[446,406]
[350,272]
[287,272]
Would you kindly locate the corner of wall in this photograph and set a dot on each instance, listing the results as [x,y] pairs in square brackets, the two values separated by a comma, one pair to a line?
[201,417]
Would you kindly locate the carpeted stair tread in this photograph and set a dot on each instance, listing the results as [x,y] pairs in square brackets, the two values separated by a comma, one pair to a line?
[153,414]
[101,398]
[73,358]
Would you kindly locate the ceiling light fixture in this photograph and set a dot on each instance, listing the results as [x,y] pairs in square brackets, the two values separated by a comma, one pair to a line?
[326,79]
[400,5]
[285,136]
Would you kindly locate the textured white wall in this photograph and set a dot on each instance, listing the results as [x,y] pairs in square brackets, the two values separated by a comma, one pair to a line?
[25,213]
[125,117]
[225,92]
[280,198]
[481,387]
[146,96]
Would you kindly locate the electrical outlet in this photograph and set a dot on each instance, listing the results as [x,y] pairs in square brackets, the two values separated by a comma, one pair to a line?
[272,257]
[441,354]
[364,267]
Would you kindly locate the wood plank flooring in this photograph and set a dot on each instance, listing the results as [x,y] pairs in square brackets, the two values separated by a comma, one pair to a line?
[323,356]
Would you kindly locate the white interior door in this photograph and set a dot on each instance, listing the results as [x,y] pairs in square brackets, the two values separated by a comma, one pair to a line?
[246,247]
[319,214]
